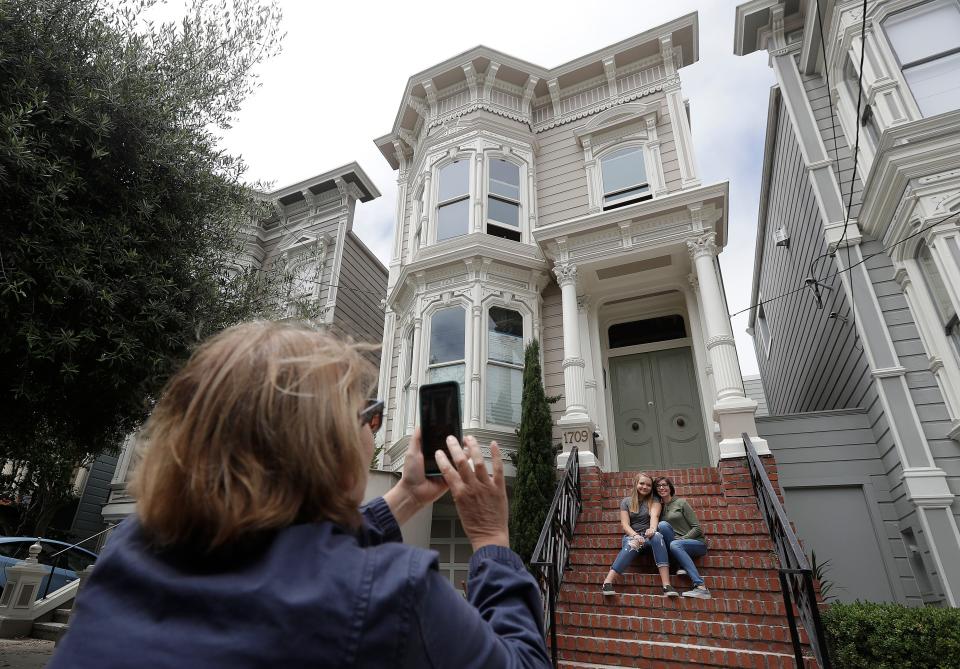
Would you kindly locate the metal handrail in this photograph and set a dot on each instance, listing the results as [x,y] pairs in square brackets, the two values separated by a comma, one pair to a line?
[56,558]
[796,577]
[552,554]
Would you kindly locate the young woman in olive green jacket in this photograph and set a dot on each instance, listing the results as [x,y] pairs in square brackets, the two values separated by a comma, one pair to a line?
[681,532]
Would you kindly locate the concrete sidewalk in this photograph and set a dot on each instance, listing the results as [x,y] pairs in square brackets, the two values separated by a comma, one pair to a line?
[25,653]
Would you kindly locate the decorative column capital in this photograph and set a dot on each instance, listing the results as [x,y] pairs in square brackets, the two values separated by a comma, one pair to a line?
[703,245]
[566,274]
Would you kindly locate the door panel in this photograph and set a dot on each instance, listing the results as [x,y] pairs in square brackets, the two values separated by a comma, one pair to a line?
[678,410]
[656,410]
[638,439]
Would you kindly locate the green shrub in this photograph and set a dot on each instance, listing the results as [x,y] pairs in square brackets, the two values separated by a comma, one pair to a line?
[877,636]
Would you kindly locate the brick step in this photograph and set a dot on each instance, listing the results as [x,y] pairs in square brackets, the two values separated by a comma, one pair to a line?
[721,544]
[725,513]
[711,528]
[712,561]
[690,490]
[596,503]
[586,651]
[737,583]
[772,638]
[678,476]
[716,609]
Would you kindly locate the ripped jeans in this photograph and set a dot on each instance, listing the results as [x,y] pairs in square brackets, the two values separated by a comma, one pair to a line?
[627,554]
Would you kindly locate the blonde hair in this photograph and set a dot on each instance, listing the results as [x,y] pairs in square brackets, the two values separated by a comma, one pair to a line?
[258,431]
[635,497]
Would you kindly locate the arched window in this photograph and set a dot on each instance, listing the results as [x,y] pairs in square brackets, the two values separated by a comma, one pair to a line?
[453,200]
[504,366]
[624,177]
[446,361]
[503,200]
[946,312]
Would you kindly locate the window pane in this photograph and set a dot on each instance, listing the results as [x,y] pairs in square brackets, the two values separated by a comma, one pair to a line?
[505,335]
[452,219]
[448,373]
[934,85]
[504,389]
[505,179]
[503,212]
[408,369]
[622,169]
[446,335]
[454,180]
[924,32]
[647,331]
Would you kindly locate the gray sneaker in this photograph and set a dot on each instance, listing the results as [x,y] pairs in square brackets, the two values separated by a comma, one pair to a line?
[669,591]
[607,589]
[700,592]
[681,572]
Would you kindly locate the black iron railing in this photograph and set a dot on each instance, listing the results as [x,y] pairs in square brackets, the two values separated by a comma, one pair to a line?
[552,554]
[56,558]
[796,577]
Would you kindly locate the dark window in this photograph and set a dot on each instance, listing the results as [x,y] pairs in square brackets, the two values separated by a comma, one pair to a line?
[647,331]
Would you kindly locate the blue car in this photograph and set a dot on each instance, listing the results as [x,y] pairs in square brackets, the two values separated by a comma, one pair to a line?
[69,563]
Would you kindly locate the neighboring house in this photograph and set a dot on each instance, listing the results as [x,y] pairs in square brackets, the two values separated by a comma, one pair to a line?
[861,368]
[562,204]
[753,387]
[309,238]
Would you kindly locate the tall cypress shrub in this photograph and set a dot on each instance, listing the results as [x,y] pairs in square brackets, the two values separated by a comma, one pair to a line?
[536,470]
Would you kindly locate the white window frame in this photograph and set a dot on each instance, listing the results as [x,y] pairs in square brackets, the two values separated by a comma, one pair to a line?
[426,365]
[519,202]
[406,359]
[436,204]
[899,65]
[608,153]
[526,316]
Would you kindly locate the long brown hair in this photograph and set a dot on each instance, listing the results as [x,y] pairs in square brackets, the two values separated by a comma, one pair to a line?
[258,431]
[635,500]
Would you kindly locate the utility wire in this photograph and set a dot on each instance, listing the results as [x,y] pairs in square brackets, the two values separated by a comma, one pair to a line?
[919,231]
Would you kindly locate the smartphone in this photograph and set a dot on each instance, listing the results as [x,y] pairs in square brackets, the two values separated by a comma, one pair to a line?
[439,418]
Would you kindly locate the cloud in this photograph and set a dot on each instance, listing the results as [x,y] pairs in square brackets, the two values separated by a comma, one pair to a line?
[338,83]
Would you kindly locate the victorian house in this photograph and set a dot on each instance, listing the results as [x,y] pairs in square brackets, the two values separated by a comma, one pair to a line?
[857,285]
[562,204]
[307,236]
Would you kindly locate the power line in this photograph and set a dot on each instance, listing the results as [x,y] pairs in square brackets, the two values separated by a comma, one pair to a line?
[920,231]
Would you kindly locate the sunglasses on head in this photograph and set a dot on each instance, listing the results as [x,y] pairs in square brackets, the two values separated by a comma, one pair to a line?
[372,415]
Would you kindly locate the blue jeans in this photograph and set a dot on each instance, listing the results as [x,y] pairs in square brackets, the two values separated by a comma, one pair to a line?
[683,551]
[626,555]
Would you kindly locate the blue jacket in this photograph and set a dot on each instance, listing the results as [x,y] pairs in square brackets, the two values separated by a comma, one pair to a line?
[315,596]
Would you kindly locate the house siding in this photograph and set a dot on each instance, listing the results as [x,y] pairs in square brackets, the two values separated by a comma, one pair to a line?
[88,520]
[837,449]
[362,287]
[561,176]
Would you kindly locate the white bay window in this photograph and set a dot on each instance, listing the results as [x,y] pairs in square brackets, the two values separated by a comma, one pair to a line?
[453,200]
[504,379]
[446,361]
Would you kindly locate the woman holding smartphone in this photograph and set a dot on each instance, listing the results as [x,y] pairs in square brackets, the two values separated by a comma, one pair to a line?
[249,549]
[638,517]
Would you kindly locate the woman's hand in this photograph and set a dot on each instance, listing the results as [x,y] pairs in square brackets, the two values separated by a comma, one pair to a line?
[481,499]
[650,532]
[415,490]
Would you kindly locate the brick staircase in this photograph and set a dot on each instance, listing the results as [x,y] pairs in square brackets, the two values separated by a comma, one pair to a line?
[744,625]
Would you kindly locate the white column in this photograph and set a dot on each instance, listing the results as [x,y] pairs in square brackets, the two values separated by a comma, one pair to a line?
[479,194]
[733,410]
[576,408]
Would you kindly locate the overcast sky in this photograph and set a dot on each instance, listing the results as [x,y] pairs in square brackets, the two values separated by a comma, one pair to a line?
[337,85]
